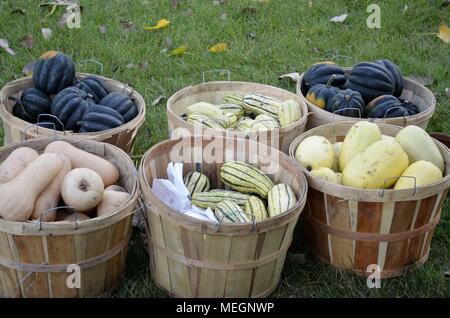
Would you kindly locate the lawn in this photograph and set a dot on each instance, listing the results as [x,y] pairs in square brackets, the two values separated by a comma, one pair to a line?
[266,39]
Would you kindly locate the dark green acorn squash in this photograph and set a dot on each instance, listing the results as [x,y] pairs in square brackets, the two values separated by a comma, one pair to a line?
[396,75]
[33,102]
[93,86]
[53,72]
[99,118]
[410,107]
[348,103]
[69,106]
[122,103]
[386,106]
[371,80]
[321,94]
[320,73]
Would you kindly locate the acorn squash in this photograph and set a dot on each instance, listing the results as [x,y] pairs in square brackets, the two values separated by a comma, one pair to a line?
[94,86]
[371,80]
[99,118]
[386,106]
[121,103]
[320,73]
[53,72]
[321,94]
[32,103]
[395,73]
[69,106]
[347,102]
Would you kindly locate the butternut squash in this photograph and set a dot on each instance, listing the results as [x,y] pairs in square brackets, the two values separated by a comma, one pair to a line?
[419,146]
[50,197]
[112,200]
[20,194]
[82,189]
[83,159]
[72,217]
[115,187]
[16,162]
[377,166]
[361,135]
[315,152]
[424,173]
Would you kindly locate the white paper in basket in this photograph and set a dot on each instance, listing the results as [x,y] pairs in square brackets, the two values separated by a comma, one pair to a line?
[174,194]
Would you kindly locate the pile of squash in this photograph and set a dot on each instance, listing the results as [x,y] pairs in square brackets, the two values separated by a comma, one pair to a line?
[366,159]
[78,106]
[372,90]
[252,112]
[33,186]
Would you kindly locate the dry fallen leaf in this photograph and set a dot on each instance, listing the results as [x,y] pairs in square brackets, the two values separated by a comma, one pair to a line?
[174,3]
[223,16]
[310,3]
[251,35]
[144,65]
[445,4]
[126,24]
[5,45]
[295,77]
[178,51]
[447,92]
[27,41]
[28,68]
[219,47]
[158,100]
[444,33]
[169,41]
[47,33]
[102,29]
[189,12]
[163,23]
[339,18]
[130,66]
[248,10]
[18,11]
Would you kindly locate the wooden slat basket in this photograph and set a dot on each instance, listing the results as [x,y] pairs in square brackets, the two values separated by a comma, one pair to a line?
[213,92]
[16,129]
[192,258]
[34,256]
[352,228]
[413,91]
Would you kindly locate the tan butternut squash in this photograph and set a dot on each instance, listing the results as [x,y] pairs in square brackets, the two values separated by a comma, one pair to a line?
[72,217]
[16,162]
[82,189]
[50,197]
[20,194]
[112,200]
[115,187]
[83,159]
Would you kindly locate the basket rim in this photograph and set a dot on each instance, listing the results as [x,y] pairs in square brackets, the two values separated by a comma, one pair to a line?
[225,228]
[301,122]
[136,122]
[370,195]
[314,109]
[59,228]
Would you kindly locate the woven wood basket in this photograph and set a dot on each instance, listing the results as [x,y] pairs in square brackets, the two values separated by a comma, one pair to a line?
[413,91]
[192,258]
[34,256]
[213,92]
[17,130]
[351,228]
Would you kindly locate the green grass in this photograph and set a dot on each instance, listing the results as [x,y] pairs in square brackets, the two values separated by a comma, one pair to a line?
[290,35]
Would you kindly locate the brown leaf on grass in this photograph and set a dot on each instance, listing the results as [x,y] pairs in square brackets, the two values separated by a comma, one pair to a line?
[5,45]
[422,79]
[295,77]
[249,11]
[339,18]
[174,3]
[27,41]
[18,11]
[126,24]
[28,68]
[189,12]
[102,29]
[444,33]
[144,65]
[445,4]
[251,35]
[130,66]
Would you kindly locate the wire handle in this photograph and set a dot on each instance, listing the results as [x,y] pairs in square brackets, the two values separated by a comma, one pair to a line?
[82,63]
[55,209]
[333,120]
[390,178]
[220,71]
[232,213]
[394,108]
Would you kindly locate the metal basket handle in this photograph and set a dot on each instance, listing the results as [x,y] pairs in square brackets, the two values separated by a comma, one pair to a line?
[333,120]
[230,213]
[220,71]
[55,209]
[390,178]
[397,107]
[82,63]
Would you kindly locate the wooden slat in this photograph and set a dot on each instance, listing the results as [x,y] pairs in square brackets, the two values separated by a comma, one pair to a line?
[319,237]
[369,221]
[263,277]
[387,214]
[404,212]
[339,217]
[238,283]
[423,216]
